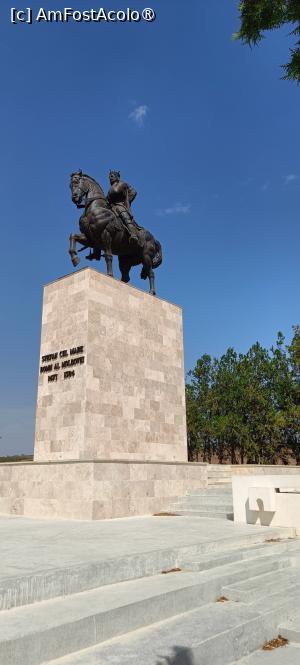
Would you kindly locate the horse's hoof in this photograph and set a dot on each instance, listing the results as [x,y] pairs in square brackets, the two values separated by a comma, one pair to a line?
[152,293]
[75,261]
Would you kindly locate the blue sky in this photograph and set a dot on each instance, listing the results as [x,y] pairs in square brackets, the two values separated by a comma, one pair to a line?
[204,129]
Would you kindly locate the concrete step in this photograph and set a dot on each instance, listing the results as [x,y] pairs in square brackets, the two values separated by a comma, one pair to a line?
[291,629]
[222,469]
[35,634]
[211,491]
[19,590]
[207,500]
[287,655]
[217,514]
[200,637]
[250,591]
[22,590]
[210,506]
[207,508]
[235,542]
[207,561]
[219,482]
[284,603]
[214,473]
[219,479]
[210,511]
[238,571]
[216,634]
[219,466]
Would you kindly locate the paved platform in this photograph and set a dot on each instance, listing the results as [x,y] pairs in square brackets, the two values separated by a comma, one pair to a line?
[85,593]
[29,545]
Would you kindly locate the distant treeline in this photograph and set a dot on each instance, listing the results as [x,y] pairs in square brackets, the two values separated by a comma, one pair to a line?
[17,458]
[245,408]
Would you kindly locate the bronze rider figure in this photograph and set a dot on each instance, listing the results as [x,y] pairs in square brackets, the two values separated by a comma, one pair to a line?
[120,197]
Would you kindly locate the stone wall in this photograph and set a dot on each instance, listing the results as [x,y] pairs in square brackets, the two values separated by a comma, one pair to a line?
[95,490]
[264,469]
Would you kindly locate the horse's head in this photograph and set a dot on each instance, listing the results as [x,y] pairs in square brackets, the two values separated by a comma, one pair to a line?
[78,187]
[83,186]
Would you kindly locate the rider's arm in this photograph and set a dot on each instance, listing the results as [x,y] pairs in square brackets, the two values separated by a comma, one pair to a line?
[131,194]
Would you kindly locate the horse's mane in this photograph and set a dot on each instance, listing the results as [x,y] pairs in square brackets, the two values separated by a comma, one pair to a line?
[85,175]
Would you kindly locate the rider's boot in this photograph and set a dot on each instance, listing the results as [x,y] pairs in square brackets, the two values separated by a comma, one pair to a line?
[133,236]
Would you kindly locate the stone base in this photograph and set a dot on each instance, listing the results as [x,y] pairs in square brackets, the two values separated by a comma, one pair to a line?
[95,490]
[111,382]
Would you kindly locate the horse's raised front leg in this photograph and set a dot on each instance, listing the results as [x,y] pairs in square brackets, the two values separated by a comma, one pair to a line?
[72,250]
[106,241]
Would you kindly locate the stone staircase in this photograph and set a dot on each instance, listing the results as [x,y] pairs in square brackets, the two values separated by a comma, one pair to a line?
[219,475]
[94,616]
[210,502]
[215,501]
[286,655]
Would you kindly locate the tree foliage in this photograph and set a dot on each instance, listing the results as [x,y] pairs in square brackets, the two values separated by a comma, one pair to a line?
[257,16]
[246,407]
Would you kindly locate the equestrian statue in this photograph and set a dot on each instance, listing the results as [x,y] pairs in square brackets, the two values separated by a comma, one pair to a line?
[107,227]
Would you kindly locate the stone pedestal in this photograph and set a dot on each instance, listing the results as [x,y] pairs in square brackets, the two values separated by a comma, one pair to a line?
[111,382]
[110,423]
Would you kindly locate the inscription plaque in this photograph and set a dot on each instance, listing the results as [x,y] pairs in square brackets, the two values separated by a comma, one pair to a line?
[47,366]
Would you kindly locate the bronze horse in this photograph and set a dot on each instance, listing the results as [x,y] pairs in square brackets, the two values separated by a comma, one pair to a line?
[102,231]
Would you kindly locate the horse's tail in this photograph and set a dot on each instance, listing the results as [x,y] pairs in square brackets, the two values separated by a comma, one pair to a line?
[157,259]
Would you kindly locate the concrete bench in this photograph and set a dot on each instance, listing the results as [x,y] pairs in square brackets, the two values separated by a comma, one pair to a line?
[267,500]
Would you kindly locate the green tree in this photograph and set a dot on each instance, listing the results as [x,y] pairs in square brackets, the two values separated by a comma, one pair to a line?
[294,350]
[272,389]
[228,425]
[246,407]
[257,16]
[254,405]
[293,424]
[199,400]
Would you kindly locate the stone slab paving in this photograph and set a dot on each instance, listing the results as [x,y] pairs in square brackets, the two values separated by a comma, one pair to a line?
[79,571]
[287,655]
[28,545]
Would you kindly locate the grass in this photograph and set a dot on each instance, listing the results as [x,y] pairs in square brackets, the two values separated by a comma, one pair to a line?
[16,458]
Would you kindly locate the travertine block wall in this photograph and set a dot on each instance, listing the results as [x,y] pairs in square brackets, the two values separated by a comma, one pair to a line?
[261,469]
[95,490]
[126,398]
